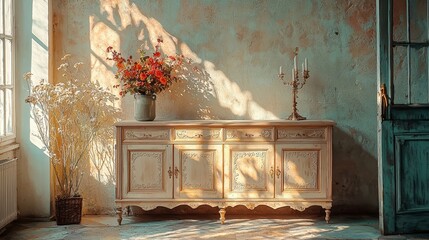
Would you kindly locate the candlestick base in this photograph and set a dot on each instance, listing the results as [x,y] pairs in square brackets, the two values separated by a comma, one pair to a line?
[295,116]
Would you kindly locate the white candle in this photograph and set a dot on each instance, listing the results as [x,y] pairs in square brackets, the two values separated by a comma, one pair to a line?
[306,64]
[294,63]
[280,71]
[303,68]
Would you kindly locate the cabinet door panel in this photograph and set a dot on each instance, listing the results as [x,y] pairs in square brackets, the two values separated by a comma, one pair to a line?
[199,171]
[301,171]
[249,171]
[146,171]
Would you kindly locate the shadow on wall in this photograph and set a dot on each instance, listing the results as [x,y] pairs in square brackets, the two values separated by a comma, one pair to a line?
[354,174]
[195,91]
[205,92]
[192,93]
[99,180]
[98,196]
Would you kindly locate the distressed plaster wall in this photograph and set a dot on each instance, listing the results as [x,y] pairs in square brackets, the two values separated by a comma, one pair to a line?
[239,46]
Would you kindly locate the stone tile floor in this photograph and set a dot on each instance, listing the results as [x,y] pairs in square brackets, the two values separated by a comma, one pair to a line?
[196,227]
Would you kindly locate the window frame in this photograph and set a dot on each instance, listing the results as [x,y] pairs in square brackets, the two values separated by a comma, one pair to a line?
[8,138]
[409,44]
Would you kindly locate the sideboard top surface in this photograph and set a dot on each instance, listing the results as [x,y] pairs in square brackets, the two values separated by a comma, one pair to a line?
[224,123]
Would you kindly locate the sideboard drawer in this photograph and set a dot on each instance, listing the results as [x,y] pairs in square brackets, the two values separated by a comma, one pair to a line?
[249,134]
[198,134]
[139,134]
[307,133]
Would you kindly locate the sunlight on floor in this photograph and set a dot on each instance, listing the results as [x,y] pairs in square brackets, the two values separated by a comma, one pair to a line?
[206,227]
[183,227]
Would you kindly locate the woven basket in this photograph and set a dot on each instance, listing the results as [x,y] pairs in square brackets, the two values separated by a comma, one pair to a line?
[68,210]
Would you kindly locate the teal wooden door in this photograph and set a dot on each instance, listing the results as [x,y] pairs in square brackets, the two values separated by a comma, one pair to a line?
[403,130]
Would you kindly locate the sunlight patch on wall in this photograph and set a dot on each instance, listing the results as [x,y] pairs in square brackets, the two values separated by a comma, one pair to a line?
[229,95]
[102,166]
[40,23]
[39,66]
[128,19]
[100,37]
[101,153]
[39,56]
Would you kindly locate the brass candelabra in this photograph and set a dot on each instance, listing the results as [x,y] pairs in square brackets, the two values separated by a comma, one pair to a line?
[296,84]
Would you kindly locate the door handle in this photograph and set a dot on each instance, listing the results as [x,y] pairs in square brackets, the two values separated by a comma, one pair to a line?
[176,172]
[272,172]
[278,172]
[170,173]
[384,100]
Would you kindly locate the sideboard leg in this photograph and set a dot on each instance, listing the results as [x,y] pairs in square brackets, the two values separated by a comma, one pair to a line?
[222,213]
[328,215]
[128,210]
[119,214]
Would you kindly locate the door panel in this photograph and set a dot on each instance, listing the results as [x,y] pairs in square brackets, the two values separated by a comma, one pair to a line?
[412,182]
[146,171]
[412,173]
[199,171]
[249,171]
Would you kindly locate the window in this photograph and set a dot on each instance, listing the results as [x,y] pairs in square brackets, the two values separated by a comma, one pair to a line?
[7,83]
[410,41]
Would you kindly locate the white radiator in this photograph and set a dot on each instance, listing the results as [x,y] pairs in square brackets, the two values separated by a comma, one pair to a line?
[8,191]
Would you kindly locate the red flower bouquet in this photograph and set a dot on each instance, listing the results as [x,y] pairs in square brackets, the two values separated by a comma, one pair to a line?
[148,74]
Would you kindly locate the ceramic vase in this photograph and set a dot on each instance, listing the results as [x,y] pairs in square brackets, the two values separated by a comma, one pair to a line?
[144,107]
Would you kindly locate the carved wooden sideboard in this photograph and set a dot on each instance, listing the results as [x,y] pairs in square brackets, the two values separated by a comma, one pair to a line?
[224,163]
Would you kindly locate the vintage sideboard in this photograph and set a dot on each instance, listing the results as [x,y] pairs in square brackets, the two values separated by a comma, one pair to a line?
[224,163]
